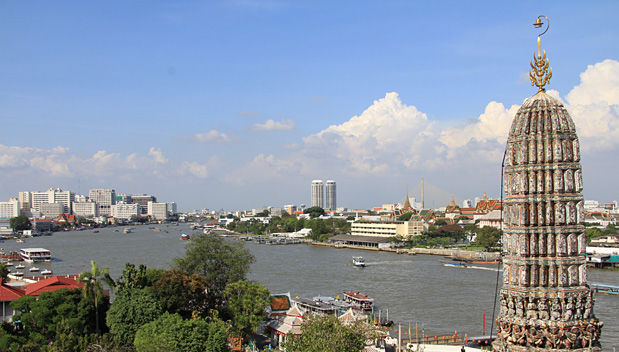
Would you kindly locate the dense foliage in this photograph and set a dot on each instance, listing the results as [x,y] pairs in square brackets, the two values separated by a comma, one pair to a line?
[328,334]
[20,223]
[246,304]
[219,261]
[488,237]
[170,332]
[132,308]
[186,294]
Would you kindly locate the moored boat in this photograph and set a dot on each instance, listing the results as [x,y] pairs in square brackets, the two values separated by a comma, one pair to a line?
[127,230]
[455,265]
[185,237]
[19,266]
[46,272]
[34,255]
[33,269]
[358,261]
[359,300]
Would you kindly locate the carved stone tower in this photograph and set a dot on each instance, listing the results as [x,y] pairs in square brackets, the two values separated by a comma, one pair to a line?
[545,302]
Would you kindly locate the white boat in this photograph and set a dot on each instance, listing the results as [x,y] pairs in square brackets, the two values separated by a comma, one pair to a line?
[8,264]
[17,273]
[20,240]
[33,269]
[19,266]
[358,261]
[46,272]
[35,255]
[127,230]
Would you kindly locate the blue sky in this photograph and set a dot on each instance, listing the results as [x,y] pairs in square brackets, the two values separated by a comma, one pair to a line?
[241,104]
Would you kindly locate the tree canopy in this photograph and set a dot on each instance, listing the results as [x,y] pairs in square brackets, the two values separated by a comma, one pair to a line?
[314,212]
[246,303]
[170,332]
[132,308]
[327,333]
[219,261]
[20,223]
[183,293]
[488,237]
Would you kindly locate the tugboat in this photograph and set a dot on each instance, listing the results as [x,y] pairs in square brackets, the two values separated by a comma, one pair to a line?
[358,261]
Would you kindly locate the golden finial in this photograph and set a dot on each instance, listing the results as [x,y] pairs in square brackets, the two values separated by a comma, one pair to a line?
[540,72]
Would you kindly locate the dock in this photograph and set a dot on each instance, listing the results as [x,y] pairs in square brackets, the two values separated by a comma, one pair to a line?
[608,289]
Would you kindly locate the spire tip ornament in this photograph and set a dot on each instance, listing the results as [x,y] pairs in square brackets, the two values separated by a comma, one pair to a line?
[541,72]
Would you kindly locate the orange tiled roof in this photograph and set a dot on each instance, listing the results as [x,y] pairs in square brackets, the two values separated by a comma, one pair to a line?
[52,284]
[10,293]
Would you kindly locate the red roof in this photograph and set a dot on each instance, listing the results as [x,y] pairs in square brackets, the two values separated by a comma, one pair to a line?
[52,284]
[10,293]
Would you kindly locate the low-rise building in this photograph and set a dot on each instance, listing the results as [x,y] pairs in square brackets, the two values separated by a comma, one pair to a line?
[405,229]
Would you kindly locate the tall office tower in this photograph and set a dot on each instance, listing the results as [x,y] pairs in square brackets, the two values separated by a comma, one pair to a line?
[331,200]
[545,301]
[318,198]
[104,198]
[66,198]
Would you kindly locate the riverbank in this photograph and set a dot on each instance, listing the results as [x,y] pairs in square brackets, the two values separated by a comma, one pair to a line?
[445,252]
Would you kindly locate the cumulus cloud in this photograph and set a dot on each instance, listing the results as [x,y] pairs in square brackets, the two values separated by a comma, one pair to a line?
[196,169]
[213,136]
[262,168]
[271,125]
[594,106]
[157,155]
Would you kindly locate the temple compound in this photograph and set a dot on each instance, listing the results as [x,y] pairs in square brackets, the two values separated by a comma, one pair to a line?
[545,302]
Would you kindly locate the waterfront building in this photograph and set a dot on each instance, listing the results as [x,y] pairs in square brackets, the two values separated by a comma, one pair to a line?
[545,301]
[66,198]
[318,199]
[51,210]
[124,211]
[87,209]
[158,211]
[25,202]
[104,198]
[9,209]
[405,229]
[331,196]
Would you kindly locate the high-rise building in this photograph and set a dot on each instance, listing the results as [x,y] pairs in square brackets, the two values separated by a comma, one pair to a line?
[318,191]
[104,198]
[66,198]
[545,301]
[331,199]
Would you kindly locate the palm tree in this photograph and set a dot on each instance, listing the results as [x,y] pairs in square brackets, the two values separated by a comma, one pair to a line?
[93,287]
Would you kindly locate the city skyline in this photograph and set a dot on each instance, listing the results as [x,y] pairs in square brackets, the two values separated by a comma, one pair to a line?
[238,104]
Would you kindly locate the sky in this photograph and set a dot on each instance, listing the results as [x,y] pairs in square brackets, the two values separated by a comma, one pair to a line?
[240,104]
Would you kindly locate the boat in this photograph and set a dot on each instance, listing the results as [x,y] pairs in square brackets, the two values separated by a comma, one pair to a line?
[35,255]
[8,264]
[359,300]
[46,272]
[33,269]
[19,266]
[185,237]
[358,261]
[95,231]
[127,230]
[456,265]
[20,240]
[17,273]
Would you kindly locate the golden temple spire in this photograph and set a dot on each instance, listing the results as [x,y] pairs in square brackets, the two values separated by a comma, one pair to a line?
[540,72]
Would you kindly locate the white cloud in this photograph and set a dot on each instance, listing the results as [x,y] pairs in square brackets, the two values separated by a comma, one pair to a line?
[271,125]
[594,106]
[157,155]
[196,169]
[213,136]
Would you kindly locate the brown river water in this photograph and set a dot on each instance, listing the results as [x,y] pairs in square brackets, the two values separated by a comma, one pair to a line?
[416,290]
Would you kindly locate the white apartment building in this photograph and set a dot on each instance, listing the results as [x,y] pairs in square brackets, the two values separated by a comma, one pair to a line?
[318,194]
[104,198]
[85,209]
[66,198]
[25,201]
[158,211]
[387,228]
[51,210]
[9,209]
[331,196]
[172,207]
[125,211]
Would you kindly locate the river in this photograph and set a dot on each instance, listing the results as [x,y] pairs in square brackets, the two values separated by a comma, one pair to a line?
[417,290]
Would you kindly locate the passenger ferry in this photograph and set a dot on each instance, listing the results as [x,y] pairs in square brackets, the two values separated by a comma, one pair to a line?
[359,300]
[34,255]
[358,261]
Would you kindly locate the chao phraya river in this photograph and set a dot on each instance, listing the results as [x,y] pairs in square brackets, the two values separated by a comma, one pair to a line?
[415,289]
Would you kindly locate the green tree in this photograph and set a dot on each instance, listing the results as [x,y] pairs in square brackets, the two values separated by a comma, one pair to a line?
[488,237]
[218,260]
[170,332]
[183,293]
[326,333]
[132,308]
[93,287]
[4,273]
[314,212]
[20,223]
[405,216]
[246,304]
[139,277]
